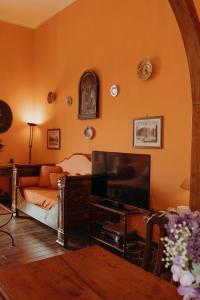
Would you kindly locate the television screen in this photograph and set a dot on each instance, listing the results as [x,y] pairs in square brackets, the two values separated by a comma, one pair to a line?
[122,177]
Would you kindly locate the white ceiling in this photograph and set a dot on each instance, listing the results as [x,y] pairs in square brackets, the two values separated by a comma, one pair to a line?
[30,13]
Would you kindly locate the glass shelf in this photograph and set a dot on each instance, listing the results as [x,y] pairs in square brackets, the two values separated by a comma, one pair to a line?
[115,235]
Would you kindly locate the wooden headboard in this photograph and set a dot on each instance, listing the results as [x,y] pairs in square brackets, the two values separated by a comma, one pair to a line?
[77,163]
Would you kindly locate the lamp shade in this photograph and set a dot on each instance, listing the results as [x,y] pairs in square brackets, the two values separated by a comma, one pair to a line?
[185,184]
[31,124]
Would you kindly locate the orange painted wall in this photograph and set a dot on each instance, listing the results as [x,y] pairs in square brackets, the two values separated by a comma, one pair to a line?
[16,88]
[111,37]
[197,6]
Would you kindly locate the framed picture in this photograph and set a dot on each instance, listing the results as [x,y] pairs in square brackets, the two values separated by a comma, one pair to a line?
[53,138]
[88,96]
[147,132]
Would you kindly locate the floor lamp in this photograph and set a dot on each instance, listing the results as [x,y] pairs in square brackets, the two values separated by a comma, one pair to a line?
[32,125]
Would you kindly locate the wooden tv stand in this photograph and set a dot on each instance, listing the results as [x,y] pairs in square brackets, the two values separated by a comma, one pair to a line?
[111,235]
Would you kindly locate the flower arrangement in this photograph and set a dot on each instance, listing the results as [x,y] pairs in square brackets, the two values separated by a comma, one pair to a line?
[182,252]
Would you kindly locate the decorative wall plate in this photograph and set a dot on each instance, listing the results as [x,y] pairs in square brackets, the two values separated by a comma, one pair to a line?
[51,97]
[5,116]
[144,69]
[89,133]
[69,100]
[114,90]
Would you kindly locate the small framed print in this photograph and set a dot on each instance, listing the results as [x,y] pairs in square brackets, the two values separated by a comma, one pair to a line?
[147,132]
[53,139]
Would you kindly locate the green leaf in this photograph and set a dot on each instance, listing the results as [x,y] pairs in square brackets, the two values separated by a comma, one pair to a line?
[196,272]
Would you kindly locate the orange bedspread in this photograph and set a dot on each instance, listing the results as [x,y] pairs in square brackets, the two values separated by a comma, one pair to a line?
[44,197]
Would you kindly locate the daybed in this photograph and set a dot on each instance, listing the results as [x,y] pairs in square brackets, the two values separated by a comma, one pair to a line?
[55,195]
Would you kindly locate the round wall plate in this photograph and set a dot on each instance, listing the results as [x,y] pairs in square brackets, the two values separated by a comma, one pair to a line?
[51,97]
[89,133]
[114,90]
[144,69]
[69,100]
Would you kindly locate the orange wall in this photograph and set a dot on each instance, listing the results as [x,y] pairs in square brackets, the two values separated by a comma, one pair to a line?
[197,6]
[111,37]
[16,88]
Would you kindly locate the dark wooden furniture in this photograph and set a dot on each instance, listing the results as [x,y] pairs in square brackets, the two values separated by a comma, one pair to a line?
[91,273]
[149,259]
[123,211]
[70,210]
[6,196]
[188,22]
[6,215]
[18,171]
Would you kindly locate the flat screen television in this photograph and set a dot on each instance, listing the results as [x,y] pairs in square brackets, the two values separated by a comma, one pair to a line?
[123,178]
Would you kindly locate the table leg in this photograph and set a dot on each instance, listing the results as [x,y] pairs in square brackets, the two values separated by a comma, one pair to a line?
[3,231]
[6,232]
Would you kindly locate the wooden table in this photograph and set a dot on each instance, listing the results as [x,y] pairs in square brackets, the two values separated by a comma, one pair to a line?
[90,274]
[6,215]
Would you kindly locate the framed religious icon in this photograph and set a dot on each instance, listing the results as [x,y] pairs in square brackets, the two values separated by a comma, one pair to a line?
[88,96]
[53,139]
[147,132]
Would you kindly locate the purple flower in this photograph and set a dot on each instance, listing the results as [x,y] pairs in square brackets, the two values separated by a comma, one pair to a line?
[185,277]
[189,293]
[193,246]
[176,260]
[176,271]
[172,220]
[192,220]
[182,250]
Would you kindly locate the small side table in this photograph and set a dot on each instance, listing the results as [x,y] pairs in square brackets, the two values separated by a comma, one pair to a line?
[5,211]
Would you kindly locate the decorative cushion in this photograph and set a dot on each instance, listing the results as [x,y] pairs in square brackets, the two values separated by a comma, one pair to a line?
[28,181]
[54,179]
[44,180]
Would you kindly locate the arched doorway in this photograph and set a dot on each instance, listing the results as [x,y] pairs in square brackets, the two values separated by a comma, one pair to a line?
[188,22]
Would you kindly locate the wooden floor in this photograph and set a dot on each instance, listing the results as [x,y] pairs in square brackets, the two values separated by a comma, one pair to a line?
[33,241]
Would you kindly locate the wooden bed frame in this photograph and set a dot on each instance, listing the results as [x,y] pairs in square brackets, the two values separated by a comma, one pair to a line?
[73,192]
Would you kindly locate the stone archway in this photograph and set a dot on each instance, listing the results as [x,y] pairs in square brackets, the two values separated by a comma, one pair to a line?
[188,22]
